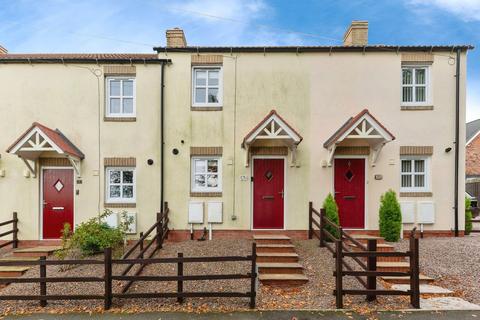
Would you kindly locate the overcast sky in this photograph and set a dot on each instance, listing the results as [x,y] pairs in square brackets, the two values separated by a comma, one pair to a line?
[136,26]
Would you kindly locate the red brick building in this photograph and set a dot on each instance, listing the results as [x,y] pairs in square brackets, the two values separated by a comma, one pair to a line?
[472,158]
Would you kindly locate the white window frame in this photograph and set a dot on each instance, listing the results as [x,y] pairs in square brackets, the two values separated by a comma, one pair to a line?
[220,87]
[426,174]
[121,96]
[428,86]
[108,184]
[206,189]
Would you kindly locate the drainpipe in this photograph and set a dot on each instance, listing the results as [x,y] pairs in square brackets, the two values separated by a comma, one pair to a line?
[457,136]
[162,142]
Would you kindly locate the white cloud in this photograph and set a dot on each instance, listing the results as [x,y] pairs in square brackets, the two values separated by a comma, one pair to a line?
[466,10]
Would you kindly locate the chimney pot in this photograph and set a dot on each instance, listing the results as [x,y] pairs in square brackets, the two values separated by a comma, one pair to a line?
[356,34]
[176,38]
[3,50]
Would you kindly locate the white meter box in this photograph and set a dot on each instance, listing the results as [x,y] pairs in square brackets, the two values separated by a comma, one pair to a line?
[426,212]
[408,211]
[195,212]
[215,212]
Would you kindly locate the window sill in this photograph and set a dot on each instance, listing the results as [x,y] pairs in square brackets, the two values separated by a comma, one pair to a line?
[205,194]
[416,194]
[119,119]
[206,108]
[120,205]
[416,108]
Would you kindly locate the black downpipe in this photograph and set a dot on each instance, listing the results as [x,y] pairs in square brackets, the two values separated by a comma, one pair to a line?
[162,142]
[457,136]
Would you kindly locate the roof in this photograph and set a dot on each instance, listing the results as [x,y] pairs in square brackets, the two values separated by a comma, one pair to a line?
[300,49]
[348,125]
[56,136]
[81,58]
[472,130]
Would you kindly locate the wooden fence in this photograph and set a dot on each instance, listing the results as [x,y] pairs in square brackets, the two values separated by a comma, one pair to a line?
[13,231]
[107,295]
[365,272]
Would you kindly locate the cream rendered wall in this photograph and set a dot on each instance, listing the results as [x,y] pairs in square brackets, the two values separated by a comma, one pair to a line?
[316,93]
[70,99]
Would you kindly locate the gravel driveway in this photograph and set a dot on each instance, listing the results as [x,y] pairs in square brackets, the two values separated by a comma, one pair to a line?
[453,262]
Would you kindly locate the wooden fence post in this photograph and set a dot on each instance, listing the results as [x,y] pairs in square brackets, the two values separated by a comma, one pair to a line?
[372,266]
[414,271]
[339,274]
[43,284]
[310,224]
[141,245]
[15,230]
[107,258]
[180,282]
[322,226]
[253,283]
[159,229]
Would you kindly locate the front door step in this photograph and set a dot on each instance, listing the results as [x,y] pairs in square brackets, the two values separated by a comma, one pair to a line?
[40,251]
[283,279]
[271,239]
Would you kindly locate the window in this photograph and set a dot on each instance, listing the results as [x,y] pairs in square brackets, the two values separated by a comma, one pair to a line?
[206,174]
[415,85]
[207,87]
[121,97]
[120,185]
[414,175]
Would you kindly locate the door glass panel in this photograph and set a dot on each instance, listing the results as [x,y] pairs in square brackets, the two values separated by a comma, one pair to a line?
[269,175]
[349,175]
[58,185]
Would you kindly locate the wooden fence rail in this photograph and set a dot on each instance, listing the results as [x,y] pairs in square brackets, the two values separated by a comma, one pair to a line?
[13,231]
[107,295]
[367,275]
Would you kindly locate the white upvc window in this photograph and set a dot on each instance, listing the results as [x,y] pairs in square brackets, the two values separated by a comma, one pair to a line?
[207,85]
[206,174]
[121,97]
[120,185]
[415,85]
[415,174]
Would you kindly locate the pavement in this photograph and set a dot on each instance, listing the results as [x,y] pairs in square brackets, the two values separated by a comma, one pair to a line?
[265,315]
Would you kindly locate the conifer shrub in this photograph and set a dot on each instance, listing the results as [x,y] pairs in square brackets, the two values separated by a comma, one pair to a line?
[331,212]
[468,216]
[390,217]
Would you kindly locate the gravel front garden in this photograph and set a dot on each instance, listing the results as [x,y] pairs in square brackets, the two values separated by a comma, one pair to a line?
[452,260]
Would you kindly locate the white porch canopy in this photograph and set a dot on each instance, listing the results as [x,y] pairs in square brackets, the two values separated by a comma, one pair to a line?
[363,129]
[272,131]
[41,141]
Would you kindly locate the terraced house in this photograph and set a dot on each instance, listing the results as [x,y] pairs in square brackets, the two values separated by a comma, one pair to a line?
[235,138]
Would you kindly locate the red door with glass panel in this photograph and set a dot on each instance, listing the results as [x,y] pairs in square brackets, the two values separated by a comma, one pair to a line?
[57,201]
[350,192]
[268,193]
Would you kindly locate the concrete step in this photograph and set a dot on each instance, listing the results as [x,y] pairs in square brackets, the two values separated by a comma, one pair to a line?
[283,280]
[393,266]
[275,248]
[277,257]
[271,239]
[40,251]
[406,280]
[12,271]
[279,268]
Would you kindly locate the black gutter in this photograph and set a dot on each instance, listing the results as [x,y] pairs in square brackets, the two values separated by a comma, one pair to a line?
[457,136]
[89,60]
[301,49]
[162,142]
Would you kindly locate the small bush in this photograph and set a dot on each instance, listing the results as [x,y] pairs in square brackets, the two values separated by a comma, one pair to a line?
[390,217]
[468,216]
[93,236]
[331,212]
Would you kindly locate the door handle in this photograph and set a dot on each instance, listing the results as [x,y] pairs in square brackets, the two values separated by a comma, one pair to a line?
[268,197]
[349,197]
[58,208]
[282,193]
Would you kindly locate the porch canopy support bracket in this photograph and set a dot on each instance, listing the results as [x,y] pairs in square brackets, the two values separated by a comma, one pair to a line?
[31,167]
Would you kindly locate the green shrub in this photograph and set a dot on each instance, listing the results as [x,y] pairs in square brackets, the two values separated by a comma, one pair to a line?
[331,212]
[468,216]
[390,217]
[94,235]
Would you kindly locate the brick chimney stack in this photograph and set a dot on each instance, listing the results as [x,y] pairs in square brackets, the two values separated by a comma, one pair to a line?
[3,50]
[356,34]
[176,38]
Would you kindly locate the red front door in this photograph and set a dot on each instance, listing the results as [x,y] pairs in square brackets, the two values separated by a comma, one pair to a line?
[268,192]
[57,201]
[350,192]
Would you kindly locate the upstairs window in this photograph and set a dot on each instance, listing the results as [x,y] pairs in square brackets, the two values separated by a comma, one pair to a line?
[414,175]
[415,85]
[120,97]
[207,87]
[206,174]
[120,185]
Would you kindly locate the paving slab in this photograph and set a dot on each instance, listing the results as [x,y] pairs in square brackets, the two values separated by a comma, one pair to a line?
[447,303]
[424,288]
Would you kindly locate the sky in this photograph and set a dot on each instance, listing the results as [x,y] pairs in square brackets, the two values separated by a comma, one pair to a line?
[137,26]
